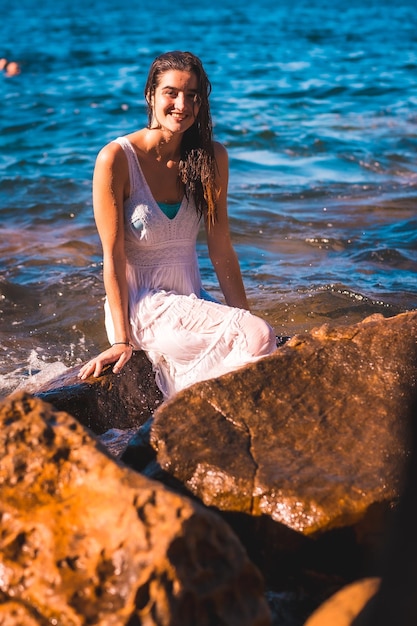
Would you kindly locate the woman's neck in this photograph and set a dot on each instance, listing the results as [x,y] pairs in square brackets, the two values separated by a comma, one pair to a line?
[166,147]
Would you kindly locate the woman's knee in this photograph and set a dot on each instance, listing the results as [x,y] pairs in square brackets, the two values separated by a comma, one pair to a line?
[260,337]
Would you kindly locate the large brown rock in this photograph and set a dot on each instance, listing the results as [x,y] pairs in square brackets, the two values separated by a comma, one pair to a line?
[309,440]
[122,401]
[87,541]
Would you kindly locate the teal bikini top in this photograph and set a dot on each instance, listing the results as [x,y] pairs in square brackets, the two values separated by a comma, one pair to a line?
[170,210]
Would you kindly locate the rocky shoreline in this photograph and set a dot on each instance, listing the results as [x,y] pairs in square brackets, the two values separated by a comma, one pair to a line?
[285,479]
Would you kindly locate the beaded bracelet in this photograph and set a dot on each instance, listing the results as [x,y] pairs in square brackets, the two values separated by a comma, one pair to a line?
[122,343]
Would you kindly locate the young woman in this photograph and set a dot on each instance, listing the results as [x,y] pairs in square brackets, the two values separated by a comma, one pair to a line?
[151,190]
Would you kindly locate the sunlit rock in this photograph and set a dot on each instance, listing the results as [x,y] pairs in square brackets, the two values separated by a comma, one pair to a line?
[345,605]
[13,613]
[309,441]
[85,540]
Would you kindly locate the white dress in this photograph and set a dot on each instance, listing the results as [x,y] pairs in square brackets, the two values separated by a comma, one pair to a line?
[187,335]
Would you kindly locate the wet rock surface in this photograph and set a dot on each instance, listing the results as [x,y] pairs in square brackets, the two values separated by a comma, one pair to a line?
[121,401]
[310,436]
[304,451]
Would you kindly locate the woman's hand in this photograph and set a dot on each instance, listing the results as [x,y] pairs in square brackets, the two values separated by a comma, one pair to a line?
[117,353]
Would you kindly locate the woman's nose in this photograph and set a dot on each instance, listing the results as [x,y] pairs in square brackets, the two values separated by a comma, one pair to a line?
[180,102]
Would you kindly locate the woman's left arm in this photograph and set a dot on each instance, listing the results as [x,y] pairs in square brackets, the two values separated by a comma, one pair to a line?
[221,251]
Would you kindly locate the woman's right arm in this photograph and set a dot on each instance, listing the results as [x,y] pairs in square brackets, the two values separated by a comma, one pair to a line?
[110,184]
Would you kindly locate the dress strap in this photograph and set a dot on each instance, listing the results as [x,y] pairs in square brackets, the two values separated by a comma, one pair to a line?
[133,163]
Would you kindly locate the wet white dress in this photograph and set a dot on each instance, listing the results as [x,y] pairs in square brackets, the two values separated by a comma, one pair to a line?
[187,336]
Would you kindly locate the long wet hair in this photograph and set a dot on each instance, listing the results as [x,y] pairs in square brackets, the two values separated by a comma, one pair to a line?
[197,167]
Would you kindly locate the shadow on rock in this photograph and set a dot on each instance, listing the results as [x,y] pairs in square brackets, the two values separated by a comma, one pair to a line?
[122,401]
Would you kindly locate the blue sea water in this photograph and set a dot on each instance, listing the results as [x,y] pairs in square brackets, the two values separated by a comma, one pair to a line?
[316,102]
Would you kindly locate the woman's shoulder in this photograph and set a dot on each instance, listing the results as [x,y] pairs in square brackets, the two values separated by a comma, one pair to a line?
[116,147]
[221,157]
[111,160]
[110,152]
[220,150]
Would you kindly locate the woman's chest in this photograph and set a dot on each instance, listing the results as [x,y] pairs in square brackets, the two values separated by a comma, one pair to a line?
[163,181]
[148,225]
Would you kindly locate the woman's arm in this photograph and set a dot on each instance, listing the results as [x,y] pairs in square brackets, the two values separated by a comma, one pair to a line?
[221,251]
[110,181]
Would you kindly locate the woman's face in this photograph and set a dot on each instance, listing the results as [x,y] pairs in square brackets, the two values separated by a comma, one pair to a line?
[176,102]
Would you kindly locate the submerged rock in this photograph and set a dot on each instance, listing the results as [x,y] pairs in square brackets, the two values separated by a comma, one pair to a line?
[87,541]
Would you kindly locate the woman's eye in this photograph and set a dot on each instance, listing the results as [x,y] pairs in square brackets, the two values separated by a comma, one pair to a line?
[194,98]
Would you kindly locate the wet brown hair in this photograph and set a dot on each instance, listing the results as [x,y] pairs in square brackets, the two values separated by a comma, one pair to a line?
[197,167]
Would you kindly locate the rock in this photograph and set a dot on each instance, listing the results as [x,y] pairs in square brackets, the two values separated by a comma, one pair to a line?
[396,600]
[343,607]
[111,402]
[304,450]
[391,599]
[116,440]
[290,608]
[122,401]
[85,540]
[12,613]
